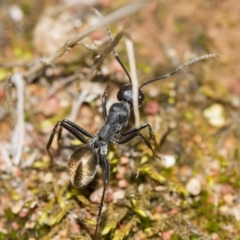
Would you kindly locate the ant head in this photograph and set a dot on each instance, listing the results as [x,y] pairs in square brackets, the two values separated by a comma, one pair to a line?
[82,166]
[126,94]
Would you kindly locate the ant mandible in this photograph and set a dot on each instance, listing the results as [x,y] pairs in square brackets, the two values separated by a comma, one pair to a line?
[84,161]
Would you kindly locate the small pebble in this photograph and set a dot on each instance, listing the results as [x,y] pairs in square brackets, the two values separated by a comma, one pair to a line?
[228,199]
[159,209]
[105,3]
[49,107]
[17,207]
[215,115]
[96,196]
[120,172]
[48,177]
[122,183]
[236,212]
[215,236]
[226,189]
[224,209]
[16,13]
[124,160]
[166,235]
[169,160]
[119,194]
[194,186]
[173,212]
[152,107]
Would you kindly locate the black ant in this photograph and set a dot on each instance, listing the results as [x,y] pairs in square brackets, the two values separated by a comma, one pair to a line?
[84,161]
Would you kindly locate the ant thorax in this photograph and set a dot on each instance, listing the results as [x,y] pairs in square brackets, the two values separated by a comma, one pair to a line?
[116,120]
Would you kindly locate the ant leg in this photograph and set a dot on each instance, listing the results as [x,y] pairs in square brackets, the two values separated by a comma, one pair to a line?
[132,133]
[106,169]
[142,126]
[50,140]
[104,103]
[130,136]
[71,127]
[78,128]
[59,136]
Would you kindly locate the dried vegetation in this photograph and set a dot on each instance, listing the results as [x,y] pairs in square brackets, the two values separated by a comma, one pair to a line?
[195,116]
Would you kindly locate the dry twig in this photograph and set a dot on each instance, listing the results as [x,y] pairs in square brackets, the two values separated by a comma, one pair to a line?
[113,17]
[133,73]
[8,90]
[19,130]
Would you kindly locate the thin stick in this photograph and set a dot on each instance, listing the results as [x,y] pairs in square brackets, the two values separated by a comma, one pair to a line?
[19,131]
[133,73]
[111,39]
[109,48]
[4,150]
[8,89]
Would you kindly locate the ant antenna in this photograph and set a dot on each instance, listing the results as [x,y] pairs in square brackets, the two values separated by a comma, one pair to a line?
[180,68]
[111,39]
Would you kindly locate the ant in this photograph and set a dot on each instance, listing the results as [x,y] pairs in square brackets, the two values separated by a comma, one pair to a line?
[84,161]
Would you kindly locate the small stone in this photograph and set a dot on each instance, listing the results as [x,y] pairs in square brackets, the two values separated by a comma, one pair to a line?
[173,212]
[16,13]
[169,160]
[105,3]
[96,196]
[236,212]
[120,172]
[228,199]
[224,209]
[194,186]
[152,107]
[48,177]
[124,160]
[49,107]
[15,226]
[166,235]
[17,207]
[215,236]
[159,209]
[215,115]
[226,189]
[119,194]
[122,183]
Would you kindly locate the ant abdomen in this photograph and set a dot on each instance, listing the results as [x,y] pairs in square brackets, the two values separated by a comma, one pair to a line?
[82,166]
[126,94]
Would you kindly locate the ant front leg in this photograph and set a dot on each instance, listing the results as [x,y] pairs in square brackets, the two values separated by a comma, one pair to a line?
[71,127]
[135,132]
[142,126]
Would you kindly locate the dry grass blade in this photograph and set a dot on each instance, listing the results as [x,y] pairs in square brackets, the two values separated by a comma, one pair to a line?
[19,130]
[110,47]
[8,89]
[133,74]
[113,222]
[125,231]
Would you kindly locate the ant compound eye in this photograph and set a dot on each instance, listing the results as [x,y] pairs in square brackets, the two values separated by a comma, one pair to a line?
[126,94]
[82,166]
